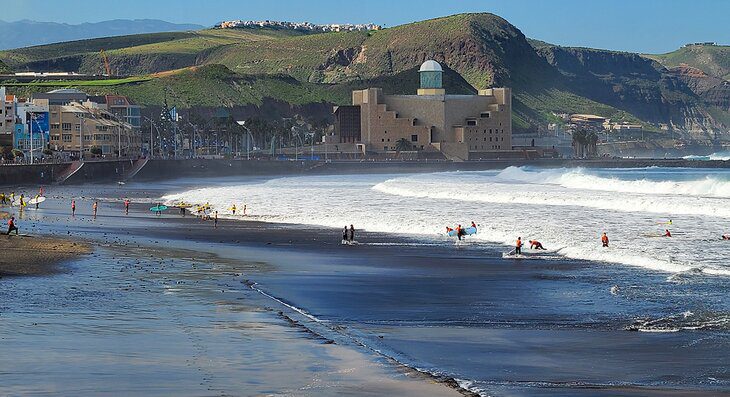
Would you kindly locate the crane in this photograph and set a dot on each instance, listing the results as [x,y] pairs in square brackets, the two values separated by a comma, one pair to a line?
[104,58]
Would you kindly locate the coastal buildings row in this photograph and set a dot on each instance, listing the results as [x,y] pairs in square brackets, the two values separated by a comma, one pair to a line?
[301,26]
[459,127]
[69,122]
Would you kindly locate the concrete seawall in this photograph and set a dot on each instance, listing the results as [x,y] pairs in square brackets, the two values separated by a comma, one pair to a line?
[110,171]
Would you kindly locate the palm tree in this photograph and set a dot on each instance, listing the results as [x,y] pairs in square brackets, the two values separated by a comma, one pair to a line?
[403,145]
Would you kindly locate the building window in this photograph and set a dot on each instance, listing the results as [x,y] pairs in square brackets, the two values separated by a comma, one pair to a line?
[54,137]
[55,126]
[471,122]
[66,126]
[385,148]
[382,140]
[485,115]
[414,138]
[67,137]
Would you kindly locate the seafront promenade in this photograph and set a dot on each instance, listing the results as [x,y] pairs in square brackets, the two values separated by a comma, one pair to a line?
[156,169]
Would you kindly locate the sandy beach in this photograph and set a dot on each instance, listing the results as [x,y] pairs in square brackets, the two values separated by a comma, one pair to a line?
[172,305]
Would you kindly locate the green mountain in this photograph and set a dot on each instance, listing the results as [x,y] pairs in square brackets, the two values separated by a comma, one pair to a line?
[714,60]
[244,67]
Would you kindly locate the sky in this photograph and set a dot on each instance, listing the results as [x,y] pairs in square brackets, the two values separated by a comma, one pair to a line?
[648,26]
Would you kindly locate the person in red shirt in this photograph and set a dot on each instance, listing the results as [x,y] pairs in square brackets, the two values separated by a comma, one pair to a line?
[126,206]
[73,207]
[604,239]
[667,233]
[11,226]
[518,246]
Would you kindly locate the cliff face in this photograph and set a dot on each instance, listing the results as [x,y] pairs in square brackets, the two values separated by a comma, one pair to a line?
[713,90]
[631,83]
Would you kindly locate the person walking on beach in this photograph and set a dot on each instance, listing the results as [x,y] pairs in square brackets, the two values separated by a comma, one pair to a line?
[95,207]
[22,201]
[11,226]
[126,206]
[215,220]
[12,198]
[73,207]
[518,246]
[244,210]
[604,240]
[233,209]
[182,210]
[352,234]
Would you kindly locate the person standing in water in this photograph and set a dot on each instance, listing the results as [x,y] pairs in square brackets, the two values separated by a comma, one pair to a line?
[12,198]
[73,207]
[604,240]
[233,209]
[344,235]
[215,220]
[244,210]
[126,206]
[352,234]
[518,246]
[22,201]
[459,232]
[667,233]
[37,196]
[474,225]
[95,207]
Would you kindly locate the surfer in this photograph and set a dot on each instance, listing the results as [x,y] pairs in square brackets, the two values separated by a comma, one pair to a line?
[73,207]
[726,236]
[12,198]
[233,209]
[518,246]
[344,235]
[667,233]
[459,232]
[37,196]
[182,210]
[11,226]
[126,206]
[215,220]
[474,225]
[604,239]
[22,201]
[534,244]
[158,210]
[352,234]
[2,198]
[95,207]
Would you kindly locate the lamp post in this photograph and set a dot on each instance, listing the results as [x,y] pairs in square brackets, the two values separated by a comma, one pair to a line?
[248,138]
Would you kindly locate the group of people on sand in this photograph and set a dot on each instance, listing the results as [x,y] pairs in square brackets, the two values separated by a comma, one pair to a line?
[9,199]
[348,235]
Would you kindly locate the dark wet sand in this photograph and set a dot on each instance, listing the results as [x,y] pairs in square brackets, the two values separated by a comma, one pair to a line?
[36,255]
[523,328]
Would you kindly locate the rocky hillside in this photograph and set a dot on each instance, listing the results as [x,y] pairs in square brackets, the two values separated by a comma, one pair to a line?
[714,60]
[479,50]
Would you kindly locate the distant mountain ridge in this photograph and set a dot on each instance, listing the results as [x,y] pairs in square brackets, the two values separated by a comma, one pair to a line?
[240,67]
[27,33]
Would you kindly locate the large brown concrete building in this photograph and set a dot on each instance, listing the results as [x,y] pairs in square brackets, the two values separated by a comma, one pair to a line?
[461,127]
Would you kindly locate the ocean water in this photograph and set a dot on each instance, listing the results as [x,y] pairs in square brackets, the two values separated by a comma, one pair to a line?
[565,209]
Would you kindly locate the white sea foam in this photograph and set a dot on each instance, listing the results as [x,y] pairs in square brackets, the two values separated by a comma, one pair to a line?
[566,209]
[723,156]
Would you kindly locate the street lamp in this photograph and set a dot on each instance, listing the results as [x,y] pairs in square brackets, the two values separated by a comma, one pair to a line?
[248,138]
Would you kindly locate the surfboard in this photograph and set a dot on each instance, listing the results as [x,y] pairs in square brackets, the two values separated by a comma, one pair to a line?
[158,208]
[38,200]
[183,204]
[16,203]
[468,231]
